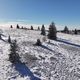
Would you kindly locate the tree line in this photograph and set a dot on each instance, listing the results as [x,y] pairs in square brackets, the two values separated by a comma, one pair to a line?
[67,31]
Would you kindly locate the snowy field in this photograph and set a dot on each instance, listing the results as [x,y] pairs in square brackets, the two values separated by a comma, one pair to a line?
[70,38]
[51,61]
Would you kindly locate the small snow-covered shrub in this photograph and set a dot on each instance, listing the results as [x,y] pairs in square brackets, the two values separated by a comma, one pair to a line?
[44,39]
[14,56]
[38,43]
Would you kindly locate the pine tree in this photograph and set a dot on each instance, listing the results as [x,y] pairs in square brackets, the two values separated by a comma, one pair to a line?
[38,28]
[52,34]
[11,26]
[17,26]
[9,39]
[22,27]
[43,30]
[75,31]
[66,30]
[14,56]
[31,27]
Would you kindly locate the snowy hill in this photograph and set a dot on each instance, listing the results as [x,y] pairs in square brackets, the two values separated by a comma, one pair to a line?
[56,60]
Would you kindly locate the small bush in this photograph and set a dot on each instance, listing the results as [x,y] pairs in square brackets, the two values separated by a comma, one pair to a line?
[38,43]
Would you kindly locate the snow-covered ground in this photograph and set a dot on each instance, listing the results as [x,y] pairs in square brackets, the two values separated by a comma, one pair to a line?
[70,37]
[51,61]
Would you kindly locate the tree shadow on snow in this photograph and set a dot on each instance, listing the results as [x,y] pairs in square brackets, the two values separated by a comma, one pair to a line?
[52,44]
[45,47]
[25,71]
[3,40]
[66,42]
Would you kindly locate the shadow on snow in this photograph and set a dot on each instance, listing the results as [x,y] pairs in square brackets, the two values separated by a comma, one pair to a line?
[45,47]
[2,40]
[65,41]
[25,71]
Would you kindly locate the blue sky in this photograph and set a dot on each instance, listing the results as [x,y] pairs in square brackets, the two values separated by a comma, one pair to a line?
[63,12]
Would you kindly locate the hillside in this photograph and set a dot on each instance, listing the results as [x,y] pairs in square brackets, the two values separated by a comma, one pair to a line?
[57,60]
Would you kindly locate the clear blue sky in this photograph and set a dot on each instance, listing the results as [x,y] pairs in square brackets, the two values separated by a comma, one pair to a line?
[64,12]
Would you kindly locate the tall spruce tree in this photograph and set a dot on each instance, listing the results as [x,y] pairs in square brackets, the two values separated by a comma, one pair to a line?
[22,27]
[75,31]
[43,30]
[66,30]
[31,27]
[14,56]
[52,34]
[38,28]
[17,26]
[11,26]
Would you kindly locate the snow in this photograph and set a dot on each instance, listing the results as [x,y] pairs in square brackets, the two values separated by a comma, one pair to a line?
[70,37]
[51,61]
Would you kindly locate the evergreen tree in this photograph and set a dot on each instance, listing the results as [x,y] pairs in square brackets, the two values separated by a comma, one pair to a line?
[75,31]
[38,28]
[11,26]
[9,39]
[14,56]
[22,27]
[17,26]
[43,30]
[52,34]
[66,30]
[31,27]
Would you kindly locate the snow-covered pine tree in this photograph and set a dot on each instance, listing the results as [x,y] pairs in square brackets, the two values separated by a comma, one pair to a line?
[38,28]
[43,30]
[75,31]
[11,26]
[52,34]
[31,27]
[14,56]
[17,26]
[22,27]
[66,30]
